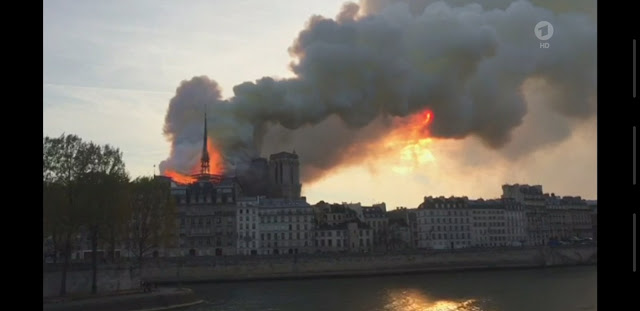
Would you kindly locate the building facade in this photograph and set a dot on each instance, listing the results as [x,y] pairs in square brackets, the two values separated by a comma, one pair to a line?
[333,214]
[444,223]
[375,217]
[248,221]
[350,236]
[286,226]
[488,223]
[207,218]
[534,202]
[409,216]
[516,219]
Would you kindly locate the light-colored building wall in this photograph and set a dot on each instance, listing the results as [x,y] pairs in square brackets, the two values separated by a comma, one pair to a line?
[444,223]
[286,226]
[248,221]
[488,222]
[516,222]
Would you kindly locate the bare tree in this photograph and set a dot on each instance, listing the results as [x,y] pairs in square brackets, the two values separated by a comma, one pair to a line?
[152,221]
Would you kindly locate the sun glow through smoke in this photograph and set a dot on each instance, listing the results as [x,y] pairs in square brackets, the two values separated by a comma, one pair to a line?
[412,142]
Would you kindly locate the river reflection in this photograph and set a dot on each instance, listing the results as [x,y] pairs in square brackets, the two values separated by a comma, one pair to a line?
[561,289]
[415,300]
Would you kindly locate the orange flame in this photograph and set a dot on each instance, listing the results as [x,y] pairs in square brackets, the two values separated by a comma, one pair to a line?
[412,140]
[216,166]
[179,178]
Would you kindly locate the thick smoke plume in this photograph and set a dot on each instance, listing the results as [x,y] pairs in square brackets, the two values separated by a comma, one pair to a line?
[383,59]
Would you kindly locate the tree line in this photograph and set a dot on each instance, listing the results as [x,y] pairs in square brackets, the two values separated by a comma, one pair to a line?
[89,198]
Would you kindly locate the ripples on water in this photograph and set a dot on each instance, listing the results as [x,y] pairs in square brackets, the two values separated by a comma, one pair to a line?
[561,289]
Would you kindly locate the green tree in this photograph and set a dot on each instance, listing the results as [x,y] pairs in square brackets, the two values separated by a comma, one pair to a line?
[54,203]
[153,214]
[102,195]
[84,187]
[63,162]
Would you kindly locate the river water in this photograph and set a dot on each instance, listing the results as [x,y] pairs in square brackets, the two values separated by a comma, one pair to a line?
[551,289]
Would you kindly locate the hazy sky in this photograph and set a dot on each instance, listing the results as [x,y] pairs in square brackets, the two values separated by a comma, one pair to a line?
[111,68]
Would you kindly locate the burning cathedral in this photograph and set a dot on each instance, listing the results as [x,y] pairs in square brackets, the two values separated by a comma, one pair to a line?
[276,177]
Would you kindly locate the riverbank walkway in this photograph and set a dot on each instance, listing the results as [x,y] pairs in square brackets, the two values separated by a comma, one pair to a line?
[162,298]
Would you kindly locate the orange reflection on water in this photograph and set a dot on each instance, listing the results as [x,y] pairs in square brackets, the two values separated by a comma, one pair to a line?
[414,300]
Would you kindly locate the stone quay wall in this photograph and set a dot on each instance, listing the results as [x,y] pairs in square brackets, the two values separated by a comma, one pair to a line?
[109,279]
[211,269]
[237,268]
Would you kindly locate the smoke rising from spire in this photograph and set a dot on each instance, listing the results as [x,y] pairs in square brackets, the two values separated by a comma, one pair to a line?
[384,59]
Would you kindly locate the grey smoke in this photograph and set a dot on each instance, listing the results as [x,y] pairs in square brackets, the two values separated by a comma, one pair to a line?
[385,58]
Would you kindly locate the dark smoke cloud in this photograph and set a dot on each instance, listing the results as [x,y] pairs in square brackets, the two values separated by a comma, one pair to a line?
[467,63]
[184,124]
[343,145]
